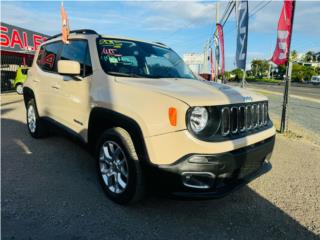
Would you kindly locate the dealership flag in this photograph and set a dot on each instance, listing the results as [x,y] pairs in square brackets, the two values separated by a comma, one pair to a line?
[65,25]
[211,65]
[217,52]
[280,55]
[221,43]
[242,33]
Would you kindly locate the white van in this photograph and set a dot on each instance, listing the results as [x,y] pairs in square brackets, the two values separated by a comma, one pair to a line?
[315,80]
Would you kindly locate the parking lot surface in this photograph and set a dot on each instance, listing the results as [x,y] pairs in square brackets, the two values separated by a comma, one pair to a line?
[50,191]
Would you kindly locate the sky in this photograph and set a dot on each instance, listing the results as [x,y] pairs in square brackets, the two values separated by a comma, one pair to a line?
[182,25]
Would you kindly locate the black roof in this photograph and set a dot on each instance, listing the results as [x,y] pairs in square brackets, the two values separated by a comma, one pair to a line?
[78,31]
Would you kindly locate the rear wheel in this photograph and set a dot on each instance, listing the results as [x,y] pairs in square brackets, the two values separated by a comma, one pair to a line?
[19,88]
[118,166]
[36,126]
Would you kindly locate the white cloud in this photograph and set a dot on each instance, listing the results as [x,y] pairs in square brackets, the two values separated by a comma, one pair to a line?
[49,22]
[12,13]
[175,15]
[188,11]
[306,13]
[162,16]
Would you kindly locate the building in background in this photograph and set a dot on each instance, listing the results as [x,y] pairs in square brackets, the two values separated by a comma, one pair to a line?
[17,47]
[312,61]
[194,61]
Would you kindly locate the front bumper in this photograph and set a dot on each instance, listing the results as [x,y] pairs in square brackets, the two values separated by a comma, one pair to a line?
[215,175]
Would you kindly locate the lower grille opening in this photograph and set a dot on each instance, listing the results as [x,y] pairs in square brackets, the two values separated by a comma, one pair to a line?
[198,180]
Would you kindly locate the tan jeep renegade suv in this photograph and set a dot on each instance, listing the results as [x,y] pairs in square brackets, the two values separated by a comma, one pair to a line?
[147,117]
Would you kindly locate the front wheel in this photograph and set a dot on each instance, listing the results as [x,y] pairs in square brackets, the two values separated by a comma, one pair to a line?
[119,169]
[19,88]
[36,126]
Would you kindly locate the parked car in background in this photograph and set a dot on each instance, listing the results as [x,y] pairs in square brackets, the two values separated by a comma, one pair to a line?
[315,80]
[21,76]
[148,120]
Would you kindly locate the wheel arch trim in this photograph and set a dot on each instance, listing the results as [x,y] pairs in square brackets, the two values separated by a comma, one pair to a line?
[101,119]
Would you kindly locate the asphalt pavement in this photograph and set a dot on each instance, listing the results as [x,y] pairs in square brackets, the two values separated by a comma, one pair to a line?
[50,191]
[309,91]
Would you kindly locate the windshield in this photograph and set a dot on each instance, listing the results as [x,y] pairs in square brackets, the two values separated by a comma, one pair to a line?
[138,59]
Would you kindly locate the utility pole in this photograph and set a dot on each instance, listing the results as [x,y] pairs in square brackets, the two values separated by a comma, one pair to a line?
[288,79]
[205,58]
[269,71]
[244,82]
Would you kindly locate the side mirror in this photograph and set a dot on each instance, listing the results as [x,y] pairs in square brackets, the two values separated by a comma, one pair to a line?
[68,67]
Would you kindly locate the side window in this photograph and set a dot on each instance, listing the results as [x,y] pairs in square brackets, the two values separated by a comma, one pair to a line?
[48,55]
[40,55]
[77,50]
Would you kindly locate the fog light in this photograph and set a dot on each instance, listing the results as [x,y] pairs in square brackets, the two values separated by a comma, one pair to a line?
[199,180]
[198,159]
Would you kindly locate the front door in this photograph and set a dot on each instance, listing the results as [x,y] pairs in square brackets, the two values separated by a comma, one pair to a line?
[74,91]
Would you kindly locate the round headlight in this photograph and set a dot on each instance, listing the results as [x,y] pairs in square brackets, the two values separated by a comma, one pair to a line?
[198,119]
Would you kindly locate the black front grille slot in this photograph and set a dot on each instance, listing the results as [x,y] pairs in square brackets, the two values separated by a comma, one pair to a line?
[234,119]
[241,119]
[225,121]
[261,114]
[248,118]
[255,112]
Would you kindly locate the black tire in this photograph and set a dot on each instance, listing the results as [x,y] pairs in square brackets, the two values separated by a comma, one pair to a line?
[19,88]
[135,189]
[40,129]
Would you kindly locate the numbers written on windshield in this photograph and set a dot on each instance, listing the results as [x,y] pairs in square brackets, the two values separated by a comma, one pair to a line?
[132,58]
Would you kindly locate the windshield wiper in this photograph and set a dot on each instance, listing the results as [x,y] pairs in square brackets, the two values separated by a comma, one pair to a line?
[132,75]
[124,74]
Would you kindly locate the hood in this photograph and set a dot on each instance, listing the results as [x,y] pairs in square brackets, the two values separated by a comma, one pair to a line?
[195,92]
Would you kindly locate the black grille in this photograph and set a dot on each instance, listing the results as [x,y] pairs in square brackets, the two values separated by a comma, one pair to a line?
[236,119]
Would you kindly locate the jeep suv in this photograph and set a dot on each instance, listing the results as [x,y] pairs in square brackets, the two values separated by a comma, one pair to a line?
[147,118]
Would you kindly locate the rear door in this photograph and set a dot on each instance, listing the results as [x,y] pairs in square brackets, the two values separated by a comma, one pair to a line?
[46,78]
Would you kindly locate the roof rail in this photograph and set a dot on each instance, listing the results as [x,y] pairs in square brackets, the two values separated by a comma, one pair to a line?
[78,31]
[160,43]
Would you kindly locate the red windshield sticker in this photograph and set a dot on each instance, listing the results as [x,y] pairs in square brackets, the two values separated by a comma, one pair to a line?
[110,52]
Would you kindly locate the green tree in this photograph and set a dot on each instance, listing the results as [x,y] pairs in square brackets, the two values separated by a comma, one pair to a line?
[309,56]
[238,74]
[302,73]
[281,71]
[294,55]
[227,75]
[259,67]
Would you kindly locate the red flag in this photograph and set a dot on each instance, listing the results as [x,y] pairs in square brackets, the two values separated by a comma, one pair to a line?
[280,55]
[65,30]
[221,40]
[211,65]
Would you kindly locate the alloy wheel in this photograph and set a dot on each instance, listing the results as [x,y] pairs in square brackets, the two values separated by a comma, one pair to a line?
[19,89]
[31,119]
[113,167]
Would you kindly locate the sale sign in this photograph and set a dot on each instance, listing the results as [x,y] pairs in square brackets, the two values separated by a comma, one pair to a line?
[280,55]
[18,39]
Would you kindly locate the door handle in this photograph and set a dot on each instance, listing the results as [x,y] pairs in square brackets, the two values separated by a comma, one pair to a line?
[55,87]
